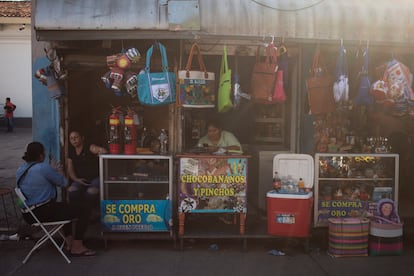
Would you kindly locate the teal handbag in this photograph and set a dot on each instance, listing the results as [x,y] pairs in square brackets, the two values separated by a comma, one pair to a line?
[156,88]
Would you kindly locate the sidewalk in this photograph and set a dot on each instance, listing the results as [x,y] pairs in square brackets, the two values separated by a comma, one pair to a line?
[200,257]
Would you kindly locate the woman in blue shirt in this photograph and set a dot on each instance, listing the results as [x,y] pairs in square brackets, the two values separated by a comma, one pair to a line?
[38,181]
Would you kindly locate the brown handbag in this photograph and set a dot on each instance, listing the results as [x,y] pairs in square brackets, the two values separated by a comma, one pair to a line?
[320,87]
[264,75]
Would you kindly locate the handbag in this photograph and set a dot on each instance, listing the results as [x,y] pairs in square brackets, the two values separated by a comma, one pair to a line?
[224,93]
[196,87]
[279,95]
[264,75]
[319,86]
[364,97]
[156,88]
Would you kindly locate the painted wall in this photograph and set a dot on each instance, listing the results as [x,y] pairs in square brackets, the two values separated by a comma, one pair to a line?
[46,115]
[16,69]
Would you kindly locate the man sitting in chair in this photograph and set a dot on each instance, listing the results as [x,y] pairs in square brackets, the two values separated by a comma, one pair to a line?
[38,182]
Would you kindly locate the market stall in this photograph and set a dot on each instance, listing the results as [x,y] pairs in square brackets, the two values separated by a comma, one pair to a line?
[107,96]
[214,184]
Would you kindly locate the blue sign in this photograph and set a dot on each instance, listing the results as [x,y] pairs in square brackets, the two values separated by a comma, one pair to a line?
[136,215]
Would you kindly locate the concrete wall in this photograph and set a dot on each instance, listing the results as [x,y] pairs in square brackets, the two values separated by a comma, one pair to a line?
[16,69]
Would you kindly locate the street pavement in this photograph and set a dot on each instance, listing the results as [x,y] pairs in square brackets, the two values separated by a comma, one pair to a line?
[132,256]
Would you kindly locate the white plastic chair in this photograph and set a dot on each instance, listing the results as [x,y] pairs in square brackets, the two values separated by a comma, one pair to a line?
[49,228]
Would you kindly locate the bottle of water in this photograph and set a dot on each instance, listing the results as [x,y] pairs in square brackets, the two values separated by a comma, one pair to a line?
[163,141]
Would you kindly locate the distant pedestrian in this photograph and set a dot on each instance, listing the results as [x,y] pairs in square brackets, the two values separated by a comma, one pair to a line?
[9,107]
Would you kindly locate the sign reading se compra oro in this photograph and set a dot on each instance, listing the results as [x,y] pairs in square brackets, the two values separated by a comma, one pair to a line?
[209,184]
[136,215]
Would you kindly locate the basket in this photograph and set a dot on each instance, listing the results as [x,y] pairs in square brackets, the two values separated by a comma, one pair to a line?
[385,239]
[348,237]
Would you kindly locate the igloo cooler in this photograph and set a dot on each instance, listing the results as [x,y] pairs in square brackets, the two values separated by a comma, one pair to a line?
[289,214]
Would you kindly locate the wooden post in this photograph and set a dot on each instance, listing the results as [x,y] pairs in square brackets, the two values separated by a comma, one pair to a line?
[181,220]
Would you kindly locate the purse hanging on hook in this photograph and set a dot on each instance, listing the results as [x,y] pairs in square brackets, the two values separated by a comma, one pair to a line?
[264,75]
[279,95]
[341,85]
[364,97]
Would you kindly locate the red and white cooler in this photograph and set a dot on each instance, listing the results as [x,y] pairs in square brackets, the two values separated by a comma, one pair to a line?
[289,214]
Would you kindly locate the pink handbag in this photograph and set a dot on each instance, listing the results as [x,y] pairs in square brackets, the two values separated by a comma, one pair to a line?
[279,95]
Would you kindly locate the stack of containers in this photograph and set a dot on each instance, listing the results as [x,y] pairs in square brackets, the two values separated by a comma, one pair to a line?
[289,207]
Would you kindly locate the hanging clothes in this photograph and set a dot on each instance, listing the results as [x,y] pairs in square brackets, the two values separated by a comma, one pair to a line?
[341,86]
[364,96]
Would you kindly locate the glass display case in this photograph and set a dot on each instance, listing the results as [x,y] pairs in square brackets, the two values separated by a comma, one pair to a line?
[136,193]
[350,185]
[269,124]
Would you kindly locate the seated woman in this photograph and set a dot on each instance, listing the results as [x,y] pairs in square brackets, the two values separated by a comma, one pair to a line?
[38,182]
[217,138]
[83,169]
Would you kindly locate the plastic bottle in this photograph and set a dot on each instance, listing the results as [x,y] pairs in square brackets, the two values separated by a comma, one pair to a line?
[301,185]
[143,136]
[163,141]
[277,183]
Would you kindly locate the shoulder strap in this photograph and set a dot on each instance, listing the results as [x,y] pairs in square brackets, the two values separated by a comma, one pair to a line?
[164,59]
[224,68]
[201,64]
[24,173]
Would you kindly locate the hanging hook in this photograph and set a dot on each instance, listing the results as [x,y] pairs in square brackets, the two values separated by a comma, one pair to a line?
[273,39]
[122,46]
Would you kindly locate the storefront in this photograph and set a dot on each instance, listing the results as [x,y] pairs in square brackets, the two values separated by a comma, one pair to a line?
[83,38]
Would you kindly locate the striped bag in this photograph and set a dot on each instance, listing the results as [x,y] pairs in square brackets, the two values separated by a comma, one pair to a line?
[348,237]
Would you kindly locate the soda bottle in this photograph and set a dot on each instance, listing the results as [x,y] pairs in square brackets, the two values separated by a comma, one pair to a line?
[277,183]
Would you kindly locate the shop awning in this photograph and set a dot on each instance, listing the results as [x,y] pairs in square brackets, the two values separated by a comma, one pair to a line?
[380,21]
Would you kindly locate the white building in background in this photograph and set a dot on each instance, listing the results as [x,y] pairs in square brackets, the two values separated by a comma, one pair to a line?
[15,57]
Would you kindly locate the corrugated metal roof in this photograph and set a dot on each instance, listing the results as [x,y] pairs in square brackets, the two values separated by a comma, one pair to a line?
[380,21]
[97,15]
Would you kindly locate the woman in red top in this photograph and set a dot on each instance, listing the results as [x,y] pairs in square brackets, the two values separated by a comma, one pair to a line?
[9,107]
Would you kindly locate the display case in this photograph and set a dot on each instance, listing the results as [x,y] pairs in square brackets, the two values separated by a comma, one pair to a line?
[350,185]
[269,123]
[136,193]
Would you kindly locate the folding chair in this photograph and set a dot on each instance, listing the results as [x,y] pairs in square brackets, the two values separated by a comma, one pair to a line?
[49,229]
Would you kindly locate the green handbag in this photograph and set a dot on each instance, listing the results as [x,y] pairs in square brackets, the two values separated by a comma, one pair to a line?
[224,103]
